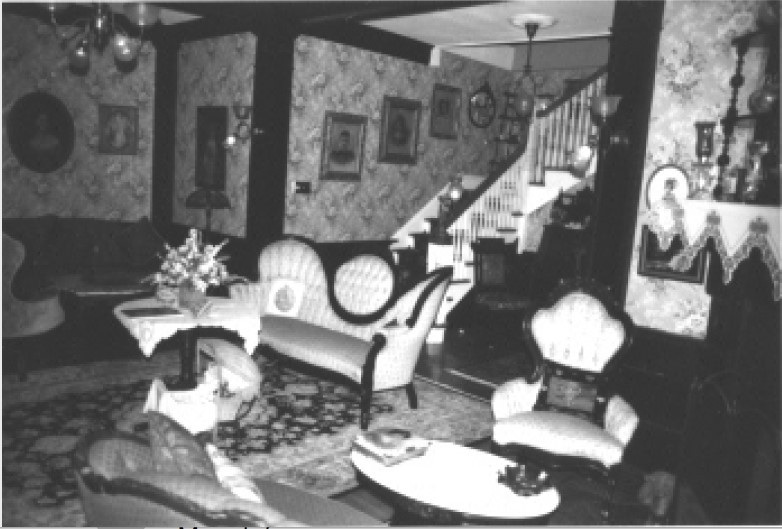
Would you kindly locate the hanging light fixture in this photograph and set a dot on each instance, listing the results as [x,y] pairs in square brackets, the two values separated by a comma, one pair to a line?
[531,22]
[100,29]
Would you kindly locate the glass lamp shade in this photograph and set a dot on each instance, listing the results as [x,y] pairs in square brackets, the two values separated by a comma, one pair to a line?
[125,48]
[526,105]
[142,14]
[603,107]
[455,189]
[101,28]
[762,101]
[230,141]
[79,59]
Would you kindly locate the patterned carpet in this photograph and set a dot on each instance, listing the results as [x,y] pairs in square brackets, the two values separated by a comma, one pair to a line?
[299,433]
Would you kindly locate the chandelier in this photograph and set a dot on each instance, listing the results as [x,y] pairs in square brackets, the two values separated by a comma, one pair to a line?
[101,27]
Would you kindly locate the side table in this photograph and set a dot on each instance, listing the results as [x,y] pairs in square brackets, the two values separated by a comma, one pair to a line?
[149,329]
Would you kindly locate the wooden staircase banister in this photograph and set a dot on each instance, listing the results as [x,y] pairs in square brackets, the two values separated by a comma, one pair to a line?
[463,205]
[577,87]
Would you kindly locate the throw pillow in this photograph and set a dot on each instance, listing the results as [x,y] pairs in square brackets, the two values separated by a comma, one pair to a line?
[174,449]
[285,297]
[232,477]
[141,242]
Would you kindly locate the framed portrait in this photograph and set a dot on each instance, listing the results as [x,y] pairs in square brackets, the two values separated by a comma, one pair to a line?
[40,132]
[654,261]
[445,112]
[118,128]
[399,130]
[211,130]
[342,154]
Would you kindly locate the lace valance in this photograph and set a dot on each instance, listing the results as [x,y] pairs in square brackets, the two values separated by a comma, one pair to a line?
[735,228]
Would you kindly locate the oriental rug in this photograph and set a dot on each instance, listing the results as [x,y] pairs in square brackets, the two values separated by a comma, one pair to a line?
[298,433]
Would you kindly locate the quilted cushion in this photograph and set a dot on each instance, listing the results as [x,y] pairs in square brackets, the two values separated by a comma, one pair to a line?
[560,434]
[363,284]
[174,449]
[578,332]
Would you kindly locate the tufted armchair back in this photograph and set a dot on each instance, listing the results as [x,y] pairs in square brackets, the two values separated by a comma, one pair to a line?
[578,332]
[364,284]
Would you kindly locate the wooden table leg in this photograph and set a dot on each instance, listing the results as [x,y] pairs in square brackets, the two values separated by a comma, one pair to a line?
[187,354]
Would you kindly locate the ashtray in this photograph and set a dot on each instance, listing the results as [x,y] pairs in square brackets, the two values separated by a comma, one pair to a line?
[525,479]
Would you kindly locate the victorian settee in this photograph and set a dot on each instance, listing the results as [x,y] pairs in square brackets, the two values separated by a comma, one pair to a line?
[353,323]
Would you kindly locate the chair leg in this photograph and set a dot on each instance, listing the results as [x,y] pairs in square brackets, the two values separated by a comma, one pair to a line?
[412,396]
[606,508]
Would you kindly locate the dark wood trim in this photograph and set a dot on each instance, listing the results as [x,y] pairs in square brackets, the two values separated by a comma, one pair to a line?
[632,66]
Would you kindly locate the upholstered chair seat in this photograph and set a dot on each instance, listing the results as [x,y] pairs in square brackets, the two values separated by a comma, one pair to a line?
[564,414]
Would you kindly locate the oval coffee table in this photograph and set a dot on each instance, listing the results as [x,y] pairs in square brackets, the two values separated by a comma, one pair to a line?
[453,484]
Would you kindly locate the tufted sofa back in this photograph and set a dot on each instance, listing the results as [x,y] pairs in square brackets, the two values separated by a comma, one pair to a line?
[363,285]
[577,331]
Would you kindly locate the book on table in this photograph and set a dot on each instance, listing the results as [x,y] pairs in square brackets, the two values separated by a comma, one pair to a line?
[390,445]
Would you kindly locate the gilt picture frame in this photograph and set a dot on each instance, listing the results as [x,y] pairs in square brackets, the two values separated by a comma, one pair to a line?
[445,112]
[653,261]
[342,154]
[399,130]
[118,129]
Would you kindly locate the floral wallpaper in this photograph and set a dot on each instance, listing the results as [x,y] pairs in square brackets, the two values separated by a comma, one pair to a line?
[694,66]
[89,184]
[213,72]
[334,77]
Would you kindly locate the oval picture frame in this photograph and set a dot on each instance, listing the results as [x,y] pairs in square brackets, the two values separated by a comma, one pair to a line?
[40,132]
[482,106]
[655,187]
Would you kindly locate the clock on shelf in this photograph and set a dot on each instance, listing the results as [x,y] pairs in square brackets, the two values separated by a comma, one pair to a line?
[482,106]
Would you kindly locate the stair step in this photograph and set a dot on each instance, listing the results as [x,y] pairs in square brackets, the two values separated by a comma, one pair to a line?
[506,230]
[517,214]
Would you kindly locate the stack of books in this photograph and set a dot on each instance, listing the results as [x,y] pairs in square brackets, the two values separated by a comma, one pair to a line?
[390,445]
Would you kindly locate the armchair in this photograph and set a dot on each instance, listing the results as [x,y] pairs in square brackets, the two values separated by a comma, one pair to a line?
[563,414]
[25,318]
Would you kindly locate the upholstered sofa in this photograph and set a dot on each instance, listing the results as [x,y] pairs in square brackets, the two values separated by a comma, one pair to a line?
[120,485]
[353,323]
[97,251]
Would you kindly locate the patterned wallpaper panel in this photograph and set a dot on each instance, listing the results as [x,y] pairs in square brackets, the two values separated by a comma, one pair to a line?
[334,77]
[213,72]
[90,184]
[695,62]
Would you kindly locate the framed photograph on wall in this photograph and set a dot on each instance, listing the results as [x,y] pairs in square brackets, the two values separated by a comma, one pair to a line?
[342,154]
[118,126]
[211,130]
[40,132]
[654,261]
[445,112]
[399,130]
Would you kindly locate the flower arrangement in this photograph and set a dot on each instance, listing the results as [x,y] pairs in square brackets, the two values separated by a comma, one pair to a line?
[193,264]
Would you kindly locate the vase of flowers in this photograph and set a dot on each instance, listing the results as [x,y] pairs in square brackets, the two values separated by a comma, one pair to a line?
[190,269]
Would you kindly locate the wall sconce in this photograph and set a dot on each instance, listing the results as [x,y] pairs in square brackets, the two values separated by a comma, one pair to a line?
[452,194]
[510,120]
[243,130]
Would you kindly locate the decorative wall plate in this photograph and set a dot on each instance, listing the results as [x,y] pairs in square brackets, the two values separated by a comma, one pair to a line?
[662,178]
[482,107]
[40,132]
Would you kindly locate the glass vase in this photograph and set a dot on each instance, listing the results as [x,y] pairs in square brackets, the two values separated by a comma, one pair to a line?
[191,299]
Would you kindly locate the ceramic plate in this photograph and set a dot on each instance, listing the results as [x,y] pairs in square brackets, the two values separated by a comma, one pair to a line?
[655,188]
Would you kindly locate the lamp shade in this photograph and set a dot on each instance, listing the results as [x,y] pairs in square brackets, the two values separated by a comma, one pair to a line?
[203,198]
[603,107]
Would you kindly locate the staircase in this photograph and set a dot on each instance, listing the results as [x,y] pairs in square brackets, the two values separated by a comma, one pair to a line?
[500,204]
